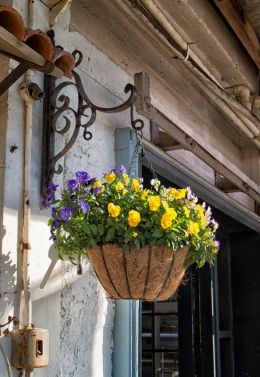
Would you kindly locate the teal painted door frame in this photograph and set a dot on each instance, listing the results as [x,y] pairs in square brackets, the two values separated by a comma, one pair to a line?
[126,322]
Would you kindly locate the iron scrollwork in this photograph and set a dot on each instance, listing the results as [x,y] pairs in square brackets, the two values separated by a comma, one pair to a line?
[57,105]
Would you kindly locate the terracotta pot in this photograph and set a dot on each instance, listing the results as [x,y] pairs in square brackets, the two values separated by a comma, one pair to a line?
[40,42]
[11,20]
[65,61]
[151,273]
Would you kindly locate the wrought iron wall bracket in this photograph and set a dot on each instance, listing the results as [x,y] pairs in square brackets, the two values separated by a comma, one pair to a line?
[57,106]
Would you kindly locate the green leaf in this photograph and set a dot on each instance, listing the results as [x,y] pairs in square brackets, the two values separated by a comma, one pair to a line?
[137,244]
[157,233]
[110,234]
[93,229]
[92,242]
[86,228]
[110,221]
[101,229]
[201,263]
[161,241]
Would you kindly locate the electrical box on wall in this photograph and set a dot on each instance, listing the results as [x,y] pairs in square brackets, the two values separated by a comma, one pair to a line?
[30,348]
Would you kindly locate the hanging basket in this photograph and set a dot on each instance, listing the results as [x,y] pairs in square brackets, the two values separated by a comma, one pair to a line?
[152,273]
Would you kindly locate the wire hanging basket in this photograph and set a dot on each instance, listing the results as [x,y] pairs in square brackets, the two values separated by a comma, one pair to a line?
[152,273]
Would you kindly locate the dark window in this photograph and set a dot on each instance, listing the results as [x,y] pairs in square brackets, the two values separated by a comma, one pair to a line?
[160,339]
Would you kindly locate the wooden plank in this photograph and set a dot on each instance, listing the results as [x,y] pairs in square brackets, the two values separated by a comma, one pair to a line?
[168,143]
[242,28]
[199,151]
[224,184]
[10,45]
[163,140]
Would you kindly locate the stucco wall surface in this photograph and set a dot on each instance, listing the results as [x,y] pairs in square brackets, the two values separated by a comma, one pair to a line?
[74,308]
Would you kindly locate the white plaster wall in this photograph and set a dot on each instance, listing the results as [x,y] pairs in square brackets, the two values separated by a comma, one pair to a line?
[73,308]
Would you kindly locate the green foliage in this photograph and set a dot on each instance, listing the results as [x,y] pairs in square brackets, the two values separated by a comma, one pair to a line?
[91,213]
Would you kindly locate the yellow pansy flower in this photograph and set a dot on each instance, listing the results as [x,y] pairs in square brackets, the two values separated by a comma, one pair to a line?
[144,194]
[99,184]
[165,204]
[134,218]
[193,228]
[134,234]
[200,212]
[166,221]
[154,202]
[113,210]
[186,212]
[119,186]
[110,177]
[126,179]
[135,185]
[172,213]
[178,194]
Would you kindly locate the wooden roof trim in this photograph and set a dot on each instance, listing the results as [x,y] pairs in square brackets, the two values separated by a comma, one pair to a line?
[242,28]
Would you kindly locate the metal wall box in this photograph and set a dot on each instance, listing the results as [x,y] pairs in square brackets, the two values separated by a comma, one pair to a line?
[30,348]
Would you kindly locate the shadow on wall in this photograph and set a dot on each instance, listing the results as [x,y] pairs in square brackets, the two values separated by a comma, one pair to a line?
[8,287]
[80,321]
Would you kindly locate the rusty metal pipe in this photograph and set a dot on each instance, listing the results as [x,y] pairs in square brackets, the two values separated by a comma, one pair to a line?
[26,191]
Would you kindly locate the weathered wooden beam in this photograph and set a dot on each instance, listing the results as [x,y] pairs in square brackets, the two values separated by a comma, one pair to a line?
[163,140]
[237,177]
[242,28]
[168,143]
[224,184]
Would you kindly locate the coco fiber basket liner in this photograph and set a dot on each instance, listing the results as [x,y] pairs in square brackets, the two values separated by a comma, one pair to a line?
[152,273]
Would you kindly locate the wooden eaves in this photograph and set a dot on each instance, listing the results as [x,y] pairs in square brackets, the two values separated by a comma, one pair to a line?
[238,180]
[242,27]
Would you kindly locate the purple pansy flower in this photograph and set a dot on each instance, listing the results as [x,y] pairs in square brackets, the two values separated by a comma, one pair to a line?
[65,213]
[214,224]
[84,206]
[82,177]
[53,237]
[115,171]
[51,187]
[47,201]
[50,194]
[72,184]
[123,169]
[56,223]
[217,244]
[53,213]
[96,190]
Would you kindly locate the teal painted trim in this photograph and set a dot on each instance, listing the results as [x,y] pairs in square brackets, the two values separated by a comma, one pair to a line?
[126,323]
[125,141]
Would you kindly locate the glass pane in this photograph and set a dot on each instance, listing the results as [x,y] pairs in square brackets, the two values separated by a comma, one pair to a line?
[147,339]
[147,364]
[166,364]
[166,307]
[147,307]
[166,332]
